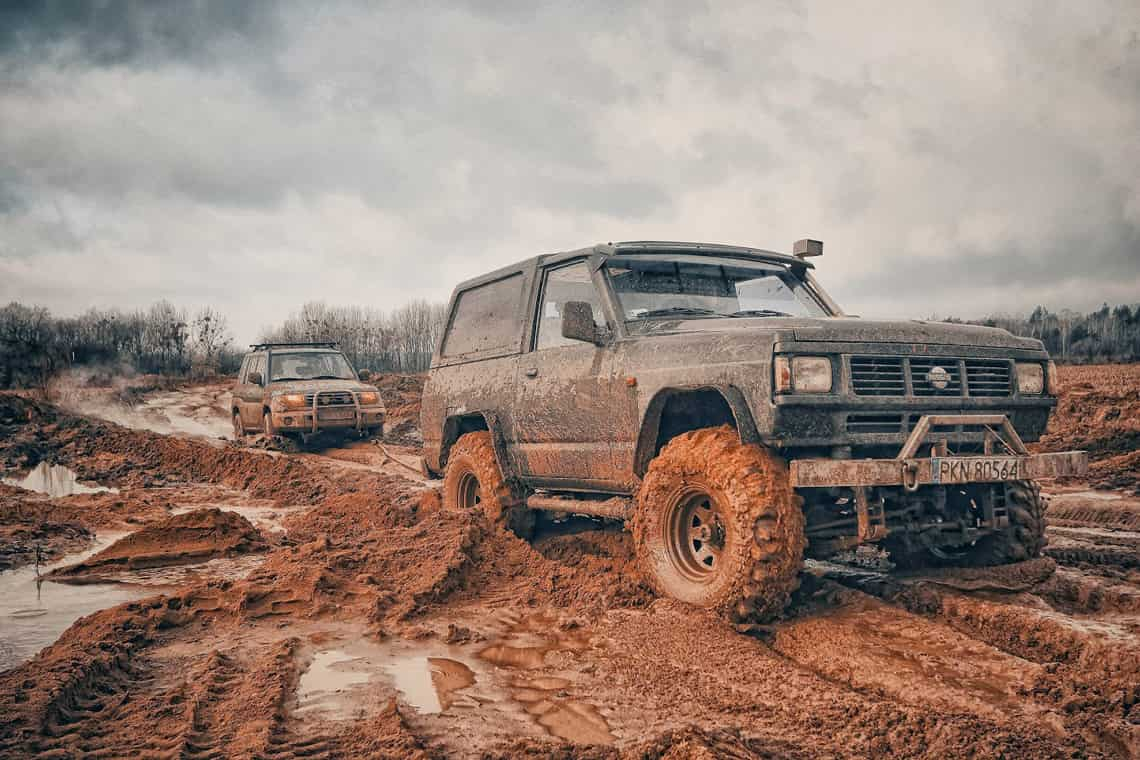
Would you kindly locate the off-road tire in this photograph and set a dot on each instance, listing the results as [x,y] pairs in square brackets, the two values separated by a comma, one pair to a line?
[763,524]
[1023,539]
[238,426]
[267,426]
[473,456]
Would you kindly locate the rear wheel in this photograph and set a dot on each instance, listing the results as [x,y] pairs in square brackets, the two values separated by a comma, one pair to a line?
[717,525]
[473,481]
[239,427]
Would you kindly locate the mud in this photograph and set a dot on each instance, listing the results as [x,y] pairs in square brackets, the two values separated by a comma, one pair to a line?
[324,605]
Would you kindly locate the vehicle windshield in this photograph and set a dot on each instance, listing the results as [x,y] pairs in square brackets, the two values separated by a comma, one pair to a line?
[309,365]
[692,289]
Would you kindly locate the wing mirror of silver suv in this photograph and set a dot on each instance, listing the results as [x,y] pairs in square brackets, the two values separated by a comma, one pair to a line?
[578,322]
[364,374]
[254,378]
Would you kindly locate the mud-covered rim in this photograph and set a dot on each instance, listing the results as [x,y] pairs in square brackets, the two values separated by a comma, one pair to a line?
[695,533]
[468,493]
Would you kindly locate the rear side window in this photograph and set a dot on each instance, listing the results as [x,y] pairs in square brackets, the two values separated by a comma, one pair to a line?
[486,318]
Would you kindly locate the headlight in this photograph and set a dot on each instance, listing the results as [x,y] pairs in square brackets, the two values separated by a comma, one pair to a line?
[803,374]
[289,401]
[368,398]
[1030,378]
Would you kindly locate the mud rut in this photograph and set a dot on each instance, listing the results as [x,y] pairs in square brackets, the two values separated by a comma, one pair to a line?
[366,622]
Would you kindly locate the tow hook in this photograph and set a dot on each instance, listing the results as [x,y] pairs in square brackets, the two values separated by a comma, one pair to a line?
[910,475]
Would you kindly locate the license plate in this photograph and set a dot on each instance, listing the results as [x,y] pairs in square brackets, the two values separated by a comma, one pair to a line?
[945,470]
[335,414]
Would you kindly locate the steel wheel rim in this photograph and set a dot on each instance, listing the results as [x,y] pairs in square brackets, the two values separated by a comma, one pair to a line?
[695,535]
[468,492]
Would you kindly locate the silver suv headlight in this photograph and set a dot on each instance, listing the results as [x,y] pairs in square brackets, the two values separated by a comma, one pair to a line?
[1030,378]
[803,374]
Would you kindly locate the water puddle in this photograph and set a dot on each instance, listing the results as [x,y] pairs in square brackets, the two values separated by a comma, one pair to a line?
[34,612]
[265,516]
[429,684]
[56,481]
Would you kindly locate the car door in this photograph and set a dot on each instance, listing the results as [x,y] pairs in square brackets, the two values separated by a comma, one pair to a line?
[567,393]
[251,394]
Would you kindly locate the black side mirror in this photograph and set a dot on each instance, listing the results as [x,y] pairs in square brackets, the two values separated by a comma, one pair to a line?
[254,377]
[578,322]
[364,374]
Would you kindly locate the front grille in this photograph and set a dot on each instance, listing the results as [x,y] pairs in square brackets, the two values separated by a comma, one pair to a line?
[330,398]
[874,423]
[988,377]
[877,376]
[926,375]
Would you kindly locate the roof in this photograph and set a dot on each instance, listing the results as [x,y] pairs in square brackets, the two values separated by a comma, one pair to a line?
[636,247]
[315,345]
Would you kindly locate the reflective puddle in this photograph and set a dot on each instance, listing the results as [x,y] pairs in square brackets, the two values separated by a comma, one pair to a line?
[34,612]
[55,481]
[429,684]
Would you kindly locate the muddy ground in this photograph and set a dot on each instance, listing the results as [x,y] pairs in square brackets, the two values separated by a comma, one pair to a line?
[198,598]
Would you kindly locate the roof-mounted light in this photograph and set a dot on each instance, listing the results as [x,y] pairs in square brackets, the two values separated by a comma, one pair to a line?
[807,248]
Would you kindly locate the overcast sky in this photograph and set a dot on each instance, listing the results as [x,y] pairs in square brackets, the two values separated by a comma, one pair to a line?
[956,158]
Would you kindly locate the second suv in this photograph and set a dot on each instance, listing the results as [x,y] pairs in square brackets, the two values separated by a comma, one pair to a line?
[301,389]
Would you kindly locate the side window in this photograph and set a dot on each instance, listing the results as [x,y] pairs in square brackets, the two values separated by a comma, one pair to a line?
[567,283]
[258,365]
[486,318]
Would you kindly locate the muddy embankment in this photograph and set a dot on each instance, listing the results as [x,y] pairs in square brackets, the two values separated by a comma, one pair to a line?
[375,624]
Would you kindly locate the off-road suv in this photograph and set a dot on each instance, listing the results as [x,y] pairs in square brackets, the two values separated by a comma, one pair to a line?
[301,389]
[718,399]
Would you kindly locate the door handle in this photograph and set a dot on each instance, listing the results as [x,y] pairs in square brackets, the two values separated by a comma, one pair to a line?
[532,372]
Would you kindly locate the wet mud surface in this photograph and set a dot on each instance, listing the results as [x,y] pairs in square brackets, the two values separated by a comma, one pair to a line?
[227,601]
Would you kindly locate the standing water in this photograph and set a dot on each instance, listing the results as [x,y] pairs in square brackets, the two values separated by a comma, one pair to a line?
[56,481]
[34,611]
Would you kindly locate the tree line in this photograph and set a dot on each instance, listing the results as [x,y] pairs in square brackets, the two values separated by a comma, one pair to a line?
[1105,335]
[163,339]
[401,340]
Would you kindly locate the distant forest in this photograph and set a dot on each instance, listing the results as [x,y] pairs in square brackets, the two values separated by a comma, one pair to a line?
[1105,335]
[163,339]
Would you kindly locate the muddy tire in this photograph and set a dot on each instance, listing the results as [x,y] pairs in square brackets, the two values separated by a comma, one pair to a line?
[239,427]
[267,426]
[473,480]
[717,525]
[1023,539]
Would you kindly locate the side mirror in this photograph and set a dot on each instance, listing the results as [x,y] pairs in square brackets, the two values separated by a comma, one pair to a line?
[254,377]
[364,374]
[578,322]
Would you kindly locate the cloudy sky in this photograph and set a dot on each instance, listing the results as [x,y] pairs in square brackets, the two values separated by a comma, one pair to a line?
[956,158]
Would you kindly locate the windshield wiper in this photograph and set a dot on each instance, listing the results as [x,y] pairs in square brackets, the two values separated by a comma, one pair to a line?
[688,311]
[327,377]
[282,379]
[759,313]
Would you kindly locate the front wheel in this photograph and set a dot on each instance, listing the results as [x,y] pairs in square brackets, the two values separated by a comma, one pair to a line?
[239,427]
[473,480]
[267,425]
[717,525]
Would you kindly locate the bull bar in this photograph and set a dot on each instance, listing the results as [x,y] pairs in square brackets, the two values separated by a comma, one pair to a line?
[1014,463]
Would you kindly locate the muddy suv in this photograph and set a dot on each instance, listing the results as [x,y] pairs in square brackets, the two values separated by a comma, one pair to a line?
[721,402]
[301,389]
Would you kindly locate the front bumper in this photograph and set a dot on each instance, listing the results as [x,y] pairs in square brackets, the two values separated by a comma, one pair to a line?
[940,468]
[314,419]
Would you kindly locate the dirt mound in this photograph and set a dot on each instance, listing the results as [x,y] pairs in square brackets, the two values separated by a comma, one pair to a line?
[401,394]
[31,530]
[191,537]
[1099,411]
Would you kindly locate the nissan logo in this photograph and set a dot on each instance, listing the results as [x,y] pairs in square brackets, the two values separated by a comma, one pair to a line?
[938,378]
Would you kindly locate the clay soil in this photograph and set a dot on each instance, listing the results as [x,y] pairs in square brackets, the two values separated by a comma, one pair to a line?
[369,622]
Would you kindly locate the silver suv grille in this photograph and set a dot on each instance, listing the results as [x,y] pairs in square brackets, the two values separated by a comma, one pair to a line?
[330,398]
[930,377]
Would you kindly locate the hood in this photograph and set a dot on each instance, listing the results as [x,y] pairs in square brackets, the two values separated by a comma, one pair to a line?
[305,386]
[849,330]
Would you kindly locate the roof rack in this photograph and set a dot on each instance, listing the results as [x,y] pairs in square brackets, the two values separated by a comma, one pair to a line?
[296,344]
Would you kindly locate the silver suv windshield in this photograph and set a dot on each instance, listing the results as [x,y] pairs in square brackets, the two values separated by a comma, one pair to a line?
[689,288]
[309,365]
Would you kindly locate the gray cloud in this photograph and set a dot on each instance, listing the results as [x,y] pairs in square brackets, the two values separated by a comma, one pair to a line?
[957,160]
